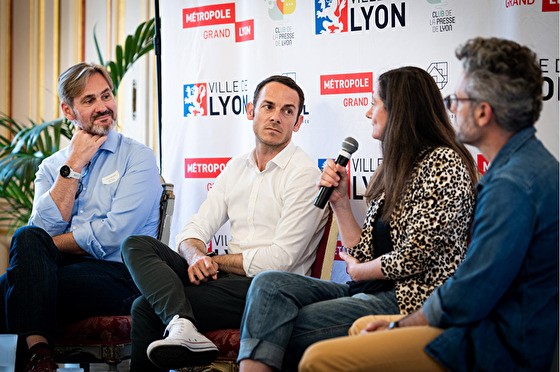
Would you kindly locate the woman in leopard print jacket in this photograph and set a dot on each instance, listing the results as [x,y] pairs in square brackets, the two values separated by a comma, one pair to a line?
[428,229]
[421,201]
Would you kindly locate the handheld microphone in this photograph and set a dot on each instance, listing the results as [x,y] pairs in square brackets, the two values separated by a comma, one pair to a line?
[349,146]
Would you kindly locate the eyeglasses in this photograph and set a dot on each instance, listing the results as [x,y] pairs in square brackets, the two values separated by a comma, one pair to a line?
[451,101]
[80,182]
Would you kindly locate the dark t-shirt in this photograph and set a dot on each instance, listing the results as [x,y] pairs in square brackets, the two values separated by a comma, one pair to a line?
[381,240]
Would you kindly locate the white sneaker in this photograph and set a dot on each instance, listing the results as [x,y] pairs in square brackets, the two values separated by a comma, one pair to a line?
[183,346]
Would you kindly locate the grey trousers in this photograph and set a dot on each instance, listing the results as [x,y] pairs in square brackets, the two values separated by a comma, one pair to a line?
[160,274]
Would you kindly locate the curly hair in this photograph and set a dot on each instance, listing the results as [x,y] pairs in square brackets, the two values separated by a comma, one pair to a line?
[507,76]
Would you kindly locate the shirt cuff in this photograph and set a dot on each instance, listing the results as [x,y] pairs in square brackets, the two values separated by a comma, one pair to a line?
[248,257]
[47,216]
[85,240]
[187,233]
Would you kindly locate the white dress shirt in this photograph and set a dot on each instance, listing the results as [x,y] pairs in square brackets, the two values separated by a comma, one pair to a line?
[274,224]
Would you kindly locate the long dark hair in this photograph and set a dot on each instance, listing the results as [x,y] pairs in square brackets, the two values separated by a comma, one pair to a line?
[416,120]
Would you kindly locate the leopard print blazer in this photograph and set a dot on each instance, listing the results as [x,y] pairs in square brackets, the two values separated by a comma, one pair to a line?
[429,228]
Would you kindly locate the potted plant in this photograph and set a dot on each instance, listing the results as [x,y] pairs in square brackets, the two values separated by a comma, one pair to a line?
[26,145]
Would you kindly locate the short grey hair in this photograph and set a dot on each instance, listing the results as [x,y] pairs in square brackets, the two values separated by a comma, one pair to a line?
[72,82]
[507,75]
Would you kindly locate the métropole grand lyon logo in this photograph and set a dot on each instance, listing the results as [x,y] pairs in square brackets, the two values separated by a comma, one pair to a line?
[204,167]
[550,5]
[209,168]
[547,5]
[361,82]
[216,19]
[348,84]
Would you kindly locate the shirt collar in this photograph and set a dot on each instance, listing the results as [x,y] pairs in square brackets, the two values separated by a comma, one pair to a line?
[511,147]
[281,159]
[112,141]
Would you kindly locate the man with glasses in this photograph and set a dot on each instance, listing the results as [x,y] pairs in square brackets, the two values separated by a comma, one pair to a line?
[66,264]
[499,311]
[452,100]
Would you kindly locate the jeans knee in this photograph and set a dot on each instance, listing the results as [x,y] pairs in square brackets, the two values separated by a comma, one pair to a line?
[31,241]
[267,280]
[29,232]
[269,285]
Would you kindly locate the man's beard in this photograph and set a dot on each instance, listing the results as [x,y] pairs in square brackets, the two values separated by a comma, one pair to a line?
[100,130]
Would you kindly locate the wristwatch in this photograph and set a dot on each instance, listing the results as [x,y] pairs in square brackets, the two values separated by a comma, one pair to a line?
[211,254]
[67,172]
[393,325]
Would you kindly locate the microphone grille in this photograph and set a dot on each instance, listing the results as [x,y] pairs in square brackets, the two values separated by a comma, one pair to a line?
[350,145]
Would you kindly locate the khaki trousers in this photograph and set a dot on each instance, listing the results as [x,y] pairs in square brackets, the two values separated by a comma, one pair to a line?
[399,349]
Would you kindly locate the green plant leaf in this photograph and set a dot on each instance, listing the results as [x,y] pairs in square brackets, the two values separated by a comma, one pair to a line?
[148,32]
[19,161]
[119,61]
[129,51]
[112,67]
[135,46]
[99,55]
[17,209]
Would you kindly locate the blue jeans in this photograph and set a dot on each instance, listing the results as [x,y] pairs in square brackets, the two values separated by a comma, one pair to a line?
[43,285]
[285,313]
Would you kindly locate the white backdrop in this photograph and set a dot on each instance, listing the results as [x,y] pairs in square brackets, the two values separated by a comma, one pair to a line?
[214,53]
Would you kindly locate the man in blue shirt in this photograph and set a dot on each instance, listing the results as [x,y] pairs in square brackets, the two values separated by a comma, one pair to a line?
[89,196]
[500,310]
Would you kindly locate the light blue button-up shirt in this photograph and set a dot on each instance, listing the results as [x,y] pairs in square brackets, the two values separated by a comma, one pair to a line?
[500,309]
[120,197]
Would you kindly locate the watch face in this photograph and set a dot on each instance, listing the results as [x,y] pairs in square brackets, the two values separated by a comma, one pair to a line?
[65,171]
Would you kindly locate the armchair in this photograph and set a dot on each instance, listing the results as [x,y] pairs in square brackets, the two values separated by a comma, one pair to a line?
[106,339]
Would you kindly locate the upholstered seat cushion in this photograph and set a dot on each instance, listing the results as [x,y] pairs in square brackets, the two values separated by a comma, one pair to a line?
[227,341]
[116,330]
[107,330]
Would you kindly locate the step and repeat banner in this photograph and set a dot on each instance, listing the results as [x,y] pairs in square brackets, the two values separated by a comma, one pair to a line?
[215,52]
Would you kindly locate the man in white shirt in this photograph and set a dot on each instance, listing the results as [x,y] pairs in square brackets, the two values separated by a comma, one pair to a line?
[267,195]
